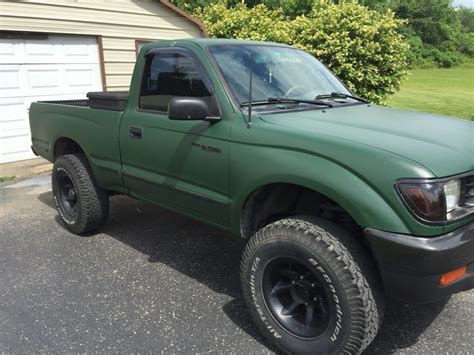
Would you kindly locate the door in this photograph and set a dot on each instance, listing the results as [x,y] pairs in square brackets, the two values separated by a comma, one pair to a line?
[182,165]
[40,69]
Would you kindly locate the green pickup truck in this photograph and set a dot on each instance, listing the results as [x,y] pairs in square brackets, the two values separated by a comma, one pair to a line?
[343,202]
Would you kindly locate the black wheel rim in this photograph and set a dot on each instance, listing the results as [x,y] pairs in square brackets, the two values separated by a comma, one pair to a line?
[297,297]
[67,194]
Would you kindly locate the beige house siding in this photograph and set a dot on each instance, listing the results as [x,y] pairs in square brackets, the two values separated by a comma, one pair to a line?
[118,24]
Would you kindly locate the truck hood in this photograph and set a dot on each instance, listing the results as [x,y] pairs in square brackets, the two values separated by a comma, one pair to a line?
[443,145]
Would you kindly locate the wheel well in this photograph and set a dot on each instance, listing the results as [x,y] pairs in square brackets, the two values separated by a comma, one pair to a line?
[66,146]
[278,200]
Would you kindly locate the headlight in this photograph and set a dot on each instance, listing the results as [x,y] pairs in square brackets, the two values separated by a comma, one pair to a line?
[436,201]
[452,192]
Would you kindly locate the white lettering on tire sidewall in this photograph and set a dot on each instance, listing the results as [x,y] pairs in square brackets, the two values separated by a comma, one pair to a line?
[56,202]
[339,315]
[258,307]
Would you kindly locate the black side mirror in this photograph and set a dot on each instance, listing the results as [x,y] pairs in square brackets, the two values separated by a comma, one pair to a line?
[189,109]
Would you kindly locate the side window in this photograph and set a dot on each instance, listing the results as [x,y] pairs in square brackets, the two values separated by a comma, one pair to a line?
[167,75]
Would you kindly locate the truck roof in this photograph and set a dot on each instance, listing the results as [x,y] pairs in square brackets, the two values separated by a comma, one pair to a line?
[204,42]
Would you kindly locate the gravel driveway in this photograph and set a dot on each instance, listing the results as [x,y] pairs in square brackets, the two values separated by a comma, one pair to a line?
[155,281]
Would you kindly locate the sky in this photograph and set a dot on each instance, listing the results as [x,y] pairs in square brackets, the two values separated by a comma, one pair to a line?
[468,3]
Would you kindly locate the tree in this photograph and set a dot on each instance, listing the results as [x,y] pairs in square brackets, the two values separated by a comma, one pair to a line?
[466,17]
[434,21]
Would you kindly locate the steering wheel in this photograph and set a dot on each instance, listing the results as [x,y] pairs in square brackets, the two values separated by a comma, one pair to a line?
[294,88]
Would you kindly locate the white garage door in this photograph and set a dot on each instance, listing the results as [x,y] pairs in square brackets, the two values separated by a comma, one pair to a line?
[53,68]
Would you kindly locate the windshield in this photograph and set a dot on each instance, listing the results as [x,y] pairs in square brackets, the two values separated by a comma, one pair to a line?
[278,72]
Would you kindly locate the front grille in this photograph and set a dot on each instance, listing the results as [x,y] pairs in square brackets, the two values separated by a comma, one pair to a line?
[469,191]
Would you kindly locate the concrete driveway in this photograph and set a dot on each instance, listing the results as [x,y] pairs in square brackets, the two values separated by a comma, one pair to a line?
[154,281]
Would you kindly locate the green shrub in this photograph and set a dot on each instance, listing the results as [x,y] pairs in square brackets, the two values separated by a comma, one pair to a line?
[467,44]
[362,47]
[415,54]
[428,56]
[257,23]
[446,59]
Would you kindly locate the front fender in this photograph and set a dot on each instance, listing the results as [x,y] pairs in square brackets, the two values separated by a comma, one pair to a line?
[371,202]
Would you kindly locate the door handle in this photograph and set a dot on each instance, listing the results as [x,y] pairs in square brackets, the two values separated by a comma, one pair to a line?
[135,132]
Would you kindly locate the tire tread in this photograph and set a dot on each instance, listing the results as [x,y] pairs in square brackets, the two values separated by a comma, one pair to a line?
[359,277]
[94,201]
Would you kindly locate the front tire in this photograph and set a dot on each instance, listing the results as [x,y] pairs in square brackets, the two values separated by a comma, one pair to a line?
[82,205]
[310,288]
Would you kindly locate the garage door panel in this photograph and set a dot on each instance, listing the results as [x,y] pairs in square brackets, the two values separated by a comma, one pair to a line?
[7,49]
[14,129]
[81,52]
[54,68]
[14,124]
[15,146]
[82,77]
[42,49]
[11,51]
[43,77]
[14,133]
[12,80]
[9,77]
[13,115]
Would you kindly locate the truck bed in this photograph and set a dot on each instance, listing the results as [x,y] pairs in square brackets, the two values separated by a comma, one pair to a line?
[93,125]
[115,101]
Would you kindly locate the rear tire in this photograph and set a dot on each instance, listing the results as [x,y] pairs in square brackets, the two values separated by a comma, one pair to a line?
[310,288]
[82,205]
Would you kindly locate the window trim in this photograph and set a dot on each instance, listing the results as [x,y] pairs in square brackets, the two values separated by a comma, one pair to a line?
[199,66]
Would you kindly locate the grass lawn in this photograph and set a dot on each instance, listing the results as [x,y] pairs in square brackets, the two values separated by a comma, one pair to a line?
[448,92]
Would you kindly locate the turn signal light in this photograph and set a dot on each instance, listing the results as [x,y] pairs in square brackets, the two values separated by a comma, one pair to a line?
[452,276]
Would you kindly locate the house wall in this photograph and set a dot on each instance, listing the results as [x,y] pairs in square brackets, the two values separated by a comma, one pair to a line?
[117,23]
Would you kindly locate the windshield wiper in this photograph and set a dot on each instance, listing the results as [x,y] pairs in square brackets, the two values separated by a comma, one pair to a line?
[276,100]
[341,96]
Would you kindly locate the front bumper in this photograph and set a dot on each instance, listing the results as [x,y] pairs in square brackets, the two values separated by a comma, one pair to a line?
[411,266]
